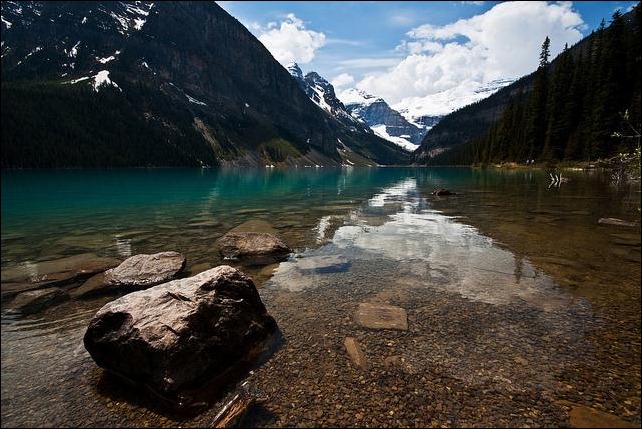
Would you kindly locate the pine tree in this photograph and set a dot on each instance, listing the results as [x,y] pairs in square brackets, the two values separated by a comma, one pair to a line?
[557,129]
[536,116]
[545,53]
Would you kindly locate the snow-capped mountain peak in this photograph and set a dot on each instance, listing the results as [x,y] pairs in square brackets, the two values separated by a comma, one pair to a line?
[429,109]
[357,96]
[321,92]
[382,119]
[294,70]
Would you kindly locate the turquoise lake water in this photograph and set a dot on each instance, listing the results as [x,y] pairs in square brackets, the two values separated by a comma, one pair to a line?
[508,244]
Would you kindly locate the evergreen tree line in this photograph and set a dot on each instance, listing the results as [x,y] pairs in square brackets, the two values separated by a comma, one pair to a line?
[574,105]
[55,125]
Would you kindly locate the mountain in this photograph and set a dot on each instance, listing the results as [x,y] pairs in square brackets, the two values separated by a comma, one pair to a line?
[384,120]
[569,109]
[154,84]
[321,92]
[408,121]
[427,111]
[361,112]
[445,102]
[464,124]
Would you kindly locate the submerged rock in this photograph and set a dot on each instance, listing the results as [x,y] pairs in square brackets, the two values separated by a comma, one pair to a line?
[442,192]
[582,416]
[382,316]
[59,271]
[10,290]
[180,334]
[323,264]
[94,286]
[253,247]
[146,270]
[35,301]
[255,225]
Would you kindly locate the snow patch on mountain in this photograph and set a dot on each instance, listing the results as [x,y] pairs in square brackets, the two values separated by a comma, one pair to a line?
[102,79]
[138,23]
[124,25]
[381,131]
[133,18]
[136,9]
[357,96]
[445,102]
[36,49]
[73,51]
[106,59]
[5,22]
[194,100]
[80,79]
[17,8]
[319,99]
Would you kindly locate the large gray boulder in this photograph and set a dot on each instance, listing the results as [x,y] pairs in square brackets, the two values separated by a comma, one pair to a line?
[253,247]
[180,334]
[146,270]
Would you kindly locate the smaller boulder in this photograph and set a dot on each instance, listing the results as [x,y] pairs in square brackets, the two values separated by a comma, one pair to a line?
[141,271]
[254,248]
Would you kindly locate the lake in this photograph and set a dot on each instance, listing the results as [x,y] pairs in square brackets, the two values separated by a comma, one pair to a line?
[520,305]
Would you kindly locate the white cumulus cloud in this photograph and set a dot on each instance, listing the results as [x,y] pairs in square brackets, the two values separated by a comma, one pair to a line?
[503,42]
[343,80]
[290,41]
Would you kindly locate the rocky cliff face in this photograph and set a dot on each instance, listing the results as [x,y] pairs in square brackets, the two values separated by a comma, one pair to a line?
[186,73]
[322,93]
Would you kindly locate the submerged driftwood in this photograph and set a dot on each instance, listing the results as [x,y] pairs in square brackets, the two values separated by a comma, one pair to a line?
[232,413]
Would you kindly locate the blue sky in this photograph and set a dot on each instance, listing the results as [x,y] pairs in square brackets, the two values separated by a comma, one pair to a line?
[412,49]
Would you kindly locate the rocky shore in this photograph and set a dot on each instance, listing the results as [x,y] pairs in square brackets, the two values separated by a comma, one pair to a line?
[402,351]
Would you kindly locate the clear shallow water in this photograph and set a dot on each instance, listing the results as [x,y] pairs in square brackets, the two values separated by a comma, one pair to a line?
[506,271]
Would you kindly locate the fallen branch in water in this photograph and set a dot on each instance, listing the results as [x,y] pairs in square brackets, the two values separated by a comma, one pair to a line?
[232,413]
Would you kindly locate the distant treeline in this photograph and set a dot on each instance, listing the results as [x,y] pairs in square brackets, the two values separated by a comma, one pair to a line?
[57,125]
[574,106]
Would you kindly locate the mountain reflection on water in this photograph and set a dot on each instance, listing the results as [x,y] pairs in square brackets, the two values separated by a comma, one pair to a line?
[439,251]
